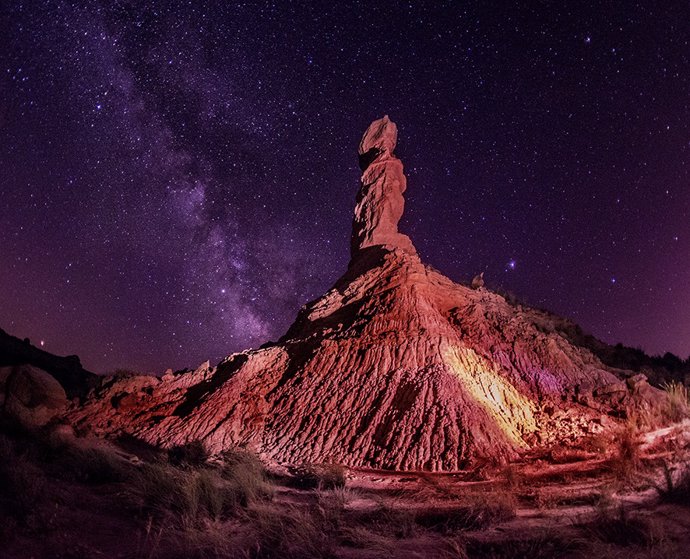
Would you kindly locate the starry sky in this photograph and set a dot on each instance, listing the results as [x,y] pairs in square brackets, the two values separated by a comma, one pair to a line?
[178,178]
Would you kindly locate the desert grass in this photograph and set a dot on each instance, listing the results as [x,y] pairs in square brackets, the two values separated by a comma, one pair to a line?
[190,497]
[677,402]
[626,459]
[289,533]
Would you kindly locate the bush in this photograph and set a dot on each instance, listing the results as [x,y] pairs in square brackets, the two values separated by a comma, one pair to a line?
[323,476]
[189,497]
[387,520]
[90,465]
[677,405]
[245,476]
[626,460]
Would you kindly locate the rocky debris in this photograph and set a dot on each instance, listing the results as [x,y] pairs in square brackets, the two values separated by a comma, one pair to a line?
[395,367]
[380,202]
[478,281]
[30,396]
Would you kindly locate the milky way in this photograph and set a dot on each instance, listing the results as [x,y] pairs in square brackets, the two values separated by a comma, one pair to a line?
[176,180]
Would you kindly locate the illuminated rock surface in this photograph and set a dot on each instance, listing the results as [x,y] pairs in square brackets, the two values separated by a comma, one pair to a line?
[395,367]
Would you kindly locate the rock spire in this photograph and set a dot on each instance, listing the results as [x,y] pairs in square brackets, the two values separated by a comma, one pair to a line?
[380,202]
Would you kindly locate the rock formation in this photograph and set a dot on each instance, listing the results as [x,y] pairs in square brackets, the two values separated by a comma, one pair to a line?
[380,202]
[395,367]
[29,396]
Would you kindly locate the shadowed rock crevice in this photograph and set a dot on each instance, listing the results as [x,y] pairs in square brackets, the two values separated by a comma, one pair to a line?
[198,393]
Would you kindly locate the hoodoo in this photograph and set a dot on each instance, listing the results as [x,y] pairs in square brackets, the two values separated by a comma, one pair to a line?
[395,367]
[380,202]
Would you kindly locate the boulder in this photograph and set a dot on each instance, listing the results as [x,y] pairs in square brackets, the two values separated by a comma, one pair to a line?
[30,396]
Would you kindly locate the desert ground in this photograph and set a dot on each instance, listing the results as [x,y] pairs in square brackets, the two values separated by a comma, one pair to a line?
[76,496]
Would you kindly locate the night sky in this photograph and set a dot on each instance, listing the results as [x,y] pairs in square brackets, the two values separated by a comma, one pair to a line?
[177,180]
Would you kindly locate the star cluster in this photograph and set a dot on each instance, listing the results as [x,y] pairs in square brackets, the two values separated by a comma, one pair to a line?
[178,178]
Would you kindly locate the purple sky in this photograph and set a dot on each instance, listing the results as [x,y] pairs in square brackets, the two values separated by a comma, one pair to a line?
[177,181]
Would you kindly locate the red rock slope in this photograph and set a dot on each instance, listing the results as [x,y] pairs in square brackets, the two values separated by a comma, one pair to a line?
[395,367]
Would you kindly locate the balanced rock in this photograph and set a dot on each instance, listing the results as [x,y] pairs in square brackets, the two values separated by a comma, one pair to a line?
[478,281]
[380,203]
[395,367]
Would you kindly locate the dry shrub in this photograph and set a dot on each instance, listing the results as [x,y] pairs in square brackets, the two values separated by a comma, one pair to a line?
[677,403]
[319,476]
[332,503]
[514,478]
[246,477]
[596,444]
[362,537]
[90,465]
[388,519]
[625,462]
[546,499]
[195,495]
[186,497]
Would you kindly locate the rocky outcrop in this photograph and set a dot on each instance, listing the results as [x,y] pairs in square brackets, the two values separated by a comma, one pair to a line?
[30,397]
[395,367]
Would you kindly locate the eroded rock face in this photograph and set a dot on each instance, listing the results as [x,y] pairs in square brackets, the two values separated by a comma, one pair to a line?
[395,367]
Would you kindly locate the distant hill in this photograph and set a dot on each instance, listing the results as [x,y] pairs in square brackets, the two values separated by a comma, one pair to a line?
[68,370]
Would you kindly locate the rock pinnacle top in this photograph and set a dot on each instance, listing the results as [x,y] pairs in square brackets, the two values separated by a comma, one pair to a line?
[382,136]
